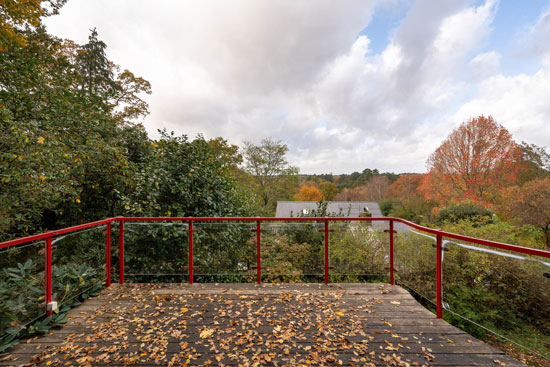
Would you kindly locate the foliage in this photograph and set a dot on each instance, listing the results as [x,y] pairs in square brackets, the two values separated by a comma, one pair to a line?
[183,178]
[536,163]
[354,194]
[187,179]
[21,291]
[530,204]
[267,164]
[286,259]
[357,250]
[16,16]
[328,189]
[473,162]
[295,251]
[495,291]
[309,192]
[356,179]
[497,230]
[414,263]
[415,209]
[376,188]
[501,293]
[388,205]
[462,211]
[405,187]
[228,154]
[373,190]
[63,148]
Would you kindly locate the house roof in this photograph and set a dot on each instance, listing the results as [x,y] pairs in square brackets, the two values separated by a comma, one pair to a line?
[354,208]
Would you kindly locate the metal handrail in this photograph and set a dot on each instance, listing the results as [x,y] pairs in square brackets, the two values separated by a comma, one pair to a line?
[47,237]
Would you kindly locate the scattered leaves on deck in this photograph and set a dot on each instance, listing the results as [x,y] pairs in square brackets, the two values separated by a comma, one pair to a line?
[142,325]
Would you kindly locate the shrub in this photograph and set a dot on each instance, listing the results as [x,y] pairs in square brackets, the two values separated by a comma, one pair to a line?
[356,251]
[464,210]
[22,298]
[388,205]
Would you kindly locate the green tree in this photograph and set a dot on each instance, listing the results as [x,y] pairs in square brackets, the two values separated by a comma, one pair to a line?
[274,177]
[184,178]
[536,162]
[96,70]
[328,189]
[62,148]
[227,154]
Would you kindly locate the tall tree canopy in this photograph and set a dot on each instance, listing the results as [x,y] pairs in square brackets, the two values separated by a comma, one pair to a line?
[64,145]
[405,187]
[184,178]
[328,189]
[473,162]
[274,177]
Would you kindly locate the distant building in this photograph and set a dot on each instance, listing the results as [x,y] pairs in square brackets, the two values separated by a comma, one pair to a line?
[349,209]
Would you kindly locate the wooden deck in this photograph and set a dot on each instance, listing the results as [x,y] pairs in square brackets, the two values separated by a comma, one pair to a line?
[251,325]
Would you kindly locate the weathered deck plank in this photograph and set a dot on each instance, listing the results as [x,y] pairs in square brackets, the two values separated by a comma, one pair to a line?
[251,325]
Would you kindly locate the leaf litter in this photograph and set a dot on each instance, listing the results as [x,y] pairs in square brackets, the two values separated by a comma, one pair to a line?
[137,326]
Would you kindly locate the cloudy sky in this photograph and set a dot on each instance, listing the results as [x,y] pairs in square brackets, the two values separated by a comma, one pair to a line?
[347,85]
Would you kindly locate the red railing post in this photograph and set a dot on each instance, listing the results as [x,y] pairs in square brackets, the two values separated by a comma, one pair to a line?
[190,252]
[258,253]
[439,276]
[121,251]
[392,278]
[326,252]
[48,274]
[108,255]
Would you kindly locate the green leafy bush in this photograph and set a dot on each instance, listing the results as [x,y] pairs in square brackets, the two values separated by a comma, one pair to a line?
[462,211]
[357,252]
[504,294]
[22,298]
[388,205]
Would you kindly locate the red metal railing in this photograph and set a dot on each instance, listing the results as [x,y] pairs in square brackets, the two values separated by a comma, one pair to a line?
[47,237]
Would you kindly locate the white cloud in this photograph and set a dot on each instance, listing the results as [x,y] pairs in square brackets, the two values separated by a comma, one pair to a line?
[484,65]
[298,71]
[518,102]
[540,34]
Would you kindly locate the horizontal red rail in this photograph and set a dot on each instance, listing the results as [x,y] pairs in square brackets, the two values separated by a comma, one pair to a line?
[47,236]
[500,245]
[57,232]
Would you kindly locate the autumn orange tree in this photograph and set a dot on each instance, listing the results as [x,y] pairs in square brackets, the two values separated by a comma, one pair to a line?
[530,204]
[473,162]
[405,187]
[16,16]
[309,192]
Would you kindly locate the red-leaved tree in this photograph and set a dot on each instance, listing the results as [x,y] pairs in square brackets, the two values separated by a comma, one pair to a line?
[473,162]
